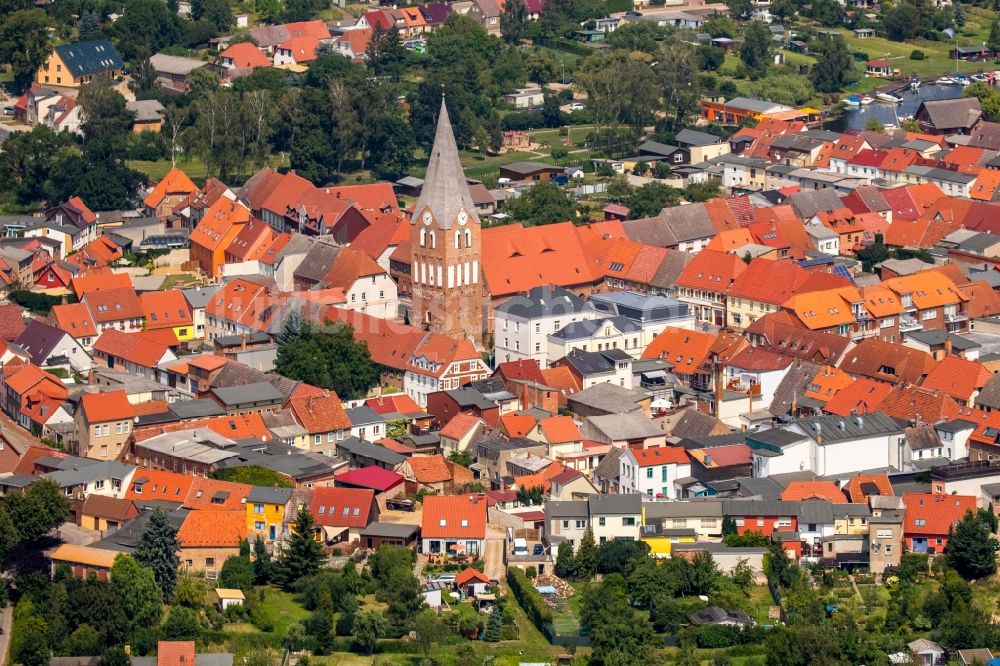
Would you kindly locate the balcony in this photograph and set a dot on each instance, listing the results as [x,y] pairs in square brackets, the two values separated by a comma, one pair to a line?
[907,324]
[955,318]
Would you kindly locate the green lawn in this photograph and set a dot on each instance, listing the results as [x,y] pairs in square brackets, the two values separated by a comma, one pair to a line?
[282,609]
[192,166]
[171,281]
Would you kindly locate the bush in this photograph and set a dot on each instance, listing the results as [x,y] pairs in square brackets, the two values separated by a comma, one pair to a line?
[559,153]
[726,635]
[529,598]
[916,54]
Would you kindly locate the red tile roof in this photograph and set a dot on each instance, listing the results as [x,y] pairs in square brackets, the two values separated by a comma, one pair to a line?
[132,347]
[342,507]
[863,396]
[460,425]
[111,305]
[471,575]
[561,379]
[175,653]
[11,321]
[933,514]
[958,378]
[454,517]
[397,402]
[84,284]
[517,425]
[373,477]
[887,362]
[160,485]
[711,270]
[429,469]
[661,455]
[516,258]
[320,414]
[75,319]
[246,55]
[109,406]
[685,350]
[906,401]
[165,309]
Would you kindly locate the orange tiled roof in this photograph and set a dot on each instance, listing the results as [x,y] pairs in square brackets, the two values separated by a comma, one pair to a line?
[175,653]
[561,379]
[957,377]
[454,516]
[109,406]
[828,382]
[983,301]
[459,426]
[429,469]
[83,284]
[517,425]
[731,239]
[75,319]
[516,258]
[541,479]
[165,309]
[245,55]
[863,396]
[661,455]
[887,362]
[560,429]
[132,347]
[217,223]
[27,377]
[857,493]
[906,402]
[320,414]
[813,490]
[929,289]
[175,182]
[824,309]
[685,350]
[933,514]
[213,529]
[160,485]
[215,495]
[985,186]
[711,270]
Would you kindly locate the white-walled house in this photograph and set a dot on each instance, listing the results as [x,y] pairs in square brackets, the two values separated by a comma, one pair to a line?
[658,468]
[615,516]
[523,323]
[758,371]
[596,335]
[778,451]
[844,444]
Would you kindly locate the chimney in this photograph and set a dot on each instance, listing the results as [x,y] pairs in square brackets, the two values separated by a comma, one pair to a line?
[947,345]
[243,341]
[708,460]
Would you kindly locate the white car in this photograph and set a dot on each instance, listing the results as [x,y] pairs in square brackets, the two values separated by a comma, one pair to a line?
[575,106]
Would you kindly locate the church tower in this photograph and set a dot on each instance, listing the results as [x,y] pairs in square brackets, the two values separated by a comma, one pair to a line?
[447,291]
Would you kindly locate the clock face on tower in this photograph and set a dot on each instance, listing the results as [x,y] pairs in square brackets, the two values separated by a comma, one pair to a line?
[428,217]
[463,217]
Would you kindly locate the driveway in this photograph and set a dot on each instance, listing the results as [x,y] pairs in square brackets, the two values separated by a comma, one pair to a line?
[495,541]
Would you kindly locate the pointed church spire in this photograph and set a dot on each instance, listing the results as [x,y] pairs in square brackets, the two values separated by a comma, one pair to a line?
[445,191]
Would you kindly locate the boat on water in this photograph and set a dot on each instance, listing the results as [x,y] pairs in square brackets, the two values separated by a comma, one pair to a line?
[866,100]
[914,84]
[946,81]
[853,101]
[888,98]
[962,80]
[978,78]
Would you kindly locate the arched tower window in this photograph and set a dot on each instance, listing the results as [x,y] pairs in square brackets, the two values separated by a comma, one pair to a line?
[423,237]
[458,239]
[433,241]
[468,238]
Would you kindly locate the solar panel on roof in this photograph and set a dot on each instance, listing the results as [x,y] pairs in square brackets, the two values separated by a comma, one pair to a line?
[842,270]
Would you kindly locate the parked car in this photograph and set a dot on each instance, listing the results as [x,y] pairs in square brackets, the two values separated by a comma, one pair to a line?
[8,110]
[520,546]
[538,550]
[400,505]
[575,106]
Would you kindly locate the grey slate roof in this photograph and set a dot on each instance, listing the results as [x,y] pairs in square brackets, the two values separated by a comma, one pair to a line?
[610,466]
[593,363]
[633,425]
[690,137]
[583,330]
[989,396]
[545,301]
[614,504]
[468,397]
[792,386]
[198,408]
[363,415]
[258,392]
[809,202]
[199,297]
[269,495]
[364,449]
[89,58]
[571,509]
[951,113]
[760,508]
[445,191]
[317,262]
[639,307]
[689,509]
[842,429]
[695,423]
[111,469]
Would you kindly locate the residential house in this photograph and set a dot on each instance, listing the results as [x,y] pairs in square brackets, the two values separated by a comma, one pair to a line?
[103,424]
[51,348]
[566,520]
[72,65]
[705,282]
[454,524]
[523,323]
[341,514]
[208,538]
[265,512]
[616,516]
[658,468]
[929,518]
[847,445]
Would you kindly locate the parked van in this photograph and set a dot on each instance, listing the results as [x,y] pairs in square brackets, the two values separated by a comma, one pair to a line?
[520,546]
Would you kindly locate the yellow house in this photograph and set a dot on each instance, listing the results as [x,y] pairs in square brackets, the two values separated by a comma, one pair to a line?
[851,519]
[266,511]
[168,309]
[662,542]
[72,65]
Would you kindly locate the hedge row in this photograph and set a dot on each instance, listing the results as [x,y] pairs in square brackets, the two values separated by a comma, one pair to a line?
[529,598]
